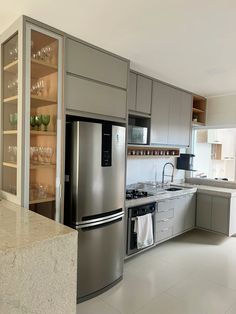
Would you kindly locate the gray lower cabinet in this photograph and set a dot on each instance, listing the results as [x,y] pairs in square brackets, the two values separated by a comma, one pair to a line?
[180,211]
[213,213]
[204,203]
[93,97]
[139,94]
[220,214]
[190,215]
[170,116]
[175,216]
[184,218]
[164,220]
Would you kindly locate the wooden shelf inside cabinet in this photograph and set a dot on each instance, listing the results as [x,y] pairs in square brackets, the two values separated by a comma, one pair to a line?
[10,132]
[43,200]
[10,100]
[41,68]
[11,67]
[40,166]
[196,110]
[42,133]
[199,110]
[196,123]
[38,101]
[10,164]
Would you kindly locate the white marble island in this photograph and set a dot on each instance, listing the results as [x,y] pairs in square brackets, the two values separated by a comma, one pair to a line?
[38,263]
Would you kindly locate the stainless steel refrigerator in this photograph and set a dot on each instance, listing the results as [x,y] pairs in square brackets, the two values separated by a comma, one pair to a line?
[94,202]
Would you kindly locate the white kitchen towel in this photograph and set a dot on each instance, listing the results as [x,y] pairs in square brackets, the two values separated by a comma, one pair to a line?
[144,229]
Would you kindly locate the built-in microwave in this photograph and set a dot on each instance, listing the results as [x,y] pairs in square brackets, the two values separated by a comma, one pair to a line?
[137,135]
[138,130]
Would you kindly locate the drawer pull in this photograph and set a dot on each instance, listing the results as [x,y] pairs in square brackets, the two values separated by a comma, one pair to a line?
[165,229]
[164,220]
[166,210]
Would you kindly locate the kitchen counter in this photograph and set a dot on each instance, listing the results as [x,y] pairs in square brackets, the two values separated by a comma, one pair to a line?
[186,189]
[38,259]
[161,196]
[215,190]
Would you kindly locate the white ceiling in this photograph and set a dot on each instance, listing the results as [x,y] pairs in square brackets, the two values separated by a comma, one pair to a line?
[189,43]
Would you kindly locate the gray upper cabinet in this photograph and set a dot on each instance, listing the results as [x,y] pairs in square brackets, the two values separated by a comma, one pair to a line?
[171,115]
[175,111]
[132,87]
[139,94]
[92,97]
[89,62]
[160,113]
[144,94]
[95,82]
[185,119]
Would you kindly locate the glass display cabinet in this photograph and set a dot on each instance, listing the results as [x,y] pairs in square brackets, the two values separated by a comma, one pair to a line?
[11,139]
[31,129]
[43,104]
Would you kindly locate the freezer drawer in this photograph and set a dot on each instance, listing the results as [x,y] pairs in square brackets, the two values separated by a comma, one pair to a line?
[100,256]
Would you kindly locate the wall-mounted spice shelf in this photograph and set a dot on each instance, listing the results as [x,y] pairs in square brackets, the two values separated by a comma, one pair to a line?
[148,151]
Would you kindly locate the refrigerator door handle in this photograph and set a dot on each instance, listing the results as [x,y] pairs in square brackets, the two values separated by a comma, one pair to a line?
[101,222]
[89,221]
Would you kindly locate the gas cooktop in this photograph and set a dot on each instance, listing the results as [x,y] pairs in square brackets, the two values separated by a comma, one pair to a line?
[134,194]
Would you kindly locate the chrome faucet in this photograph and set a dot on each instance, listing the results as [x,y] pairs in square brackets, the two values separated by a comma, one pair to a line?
[164,175]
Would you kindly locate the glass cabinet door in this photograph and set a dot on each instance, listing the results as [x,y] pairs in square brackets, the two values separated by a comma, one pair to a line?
[9,112]
[43,161]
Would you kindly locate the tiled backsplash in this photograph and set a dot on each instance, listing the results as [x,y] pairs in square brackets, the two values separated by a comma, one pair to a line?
[150,169]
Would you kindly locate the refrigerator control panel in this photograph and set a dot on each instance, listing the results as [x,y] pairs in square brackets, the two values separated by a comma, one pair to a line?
[106,145]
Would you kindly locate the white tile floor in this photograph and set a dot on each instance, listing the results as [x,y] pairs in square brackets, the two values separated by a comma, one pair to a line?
[193,273]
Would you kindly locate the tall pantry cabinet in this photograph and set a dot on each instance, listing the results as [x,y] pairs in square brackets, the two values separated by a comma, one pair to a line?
[32,117]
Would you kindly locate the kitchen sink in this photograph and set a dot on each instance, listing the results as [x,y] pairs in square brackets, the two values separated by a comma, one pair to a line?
[173,189]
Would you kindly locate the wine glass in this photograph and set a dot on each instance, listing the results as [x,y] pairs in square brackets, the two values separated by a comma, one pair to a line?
[13,120]
[45,121]
[40,86]
[42,154]
[32,121]
[35,154]
[38,121]
[49,154]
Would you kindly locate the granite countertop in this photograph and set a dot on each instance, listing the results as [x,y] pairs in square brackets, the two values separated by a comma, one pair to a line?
[161,196]
[186,189]
[215,190]
[20,227]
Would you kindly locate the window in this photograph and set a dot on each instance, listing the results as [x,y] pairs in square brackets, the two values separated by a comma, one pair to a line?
[214,151]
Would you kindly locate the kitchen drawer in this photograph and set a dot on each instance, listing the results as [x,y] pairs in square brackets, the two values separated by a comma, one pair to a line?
[165,206]
[169,213]
[164,223]
[88,96]
[90,62]
[164,233]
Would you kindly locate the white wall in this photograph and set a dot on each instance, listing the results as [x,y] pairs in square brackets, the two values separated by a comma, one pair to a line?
[146,169]
[221,111]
